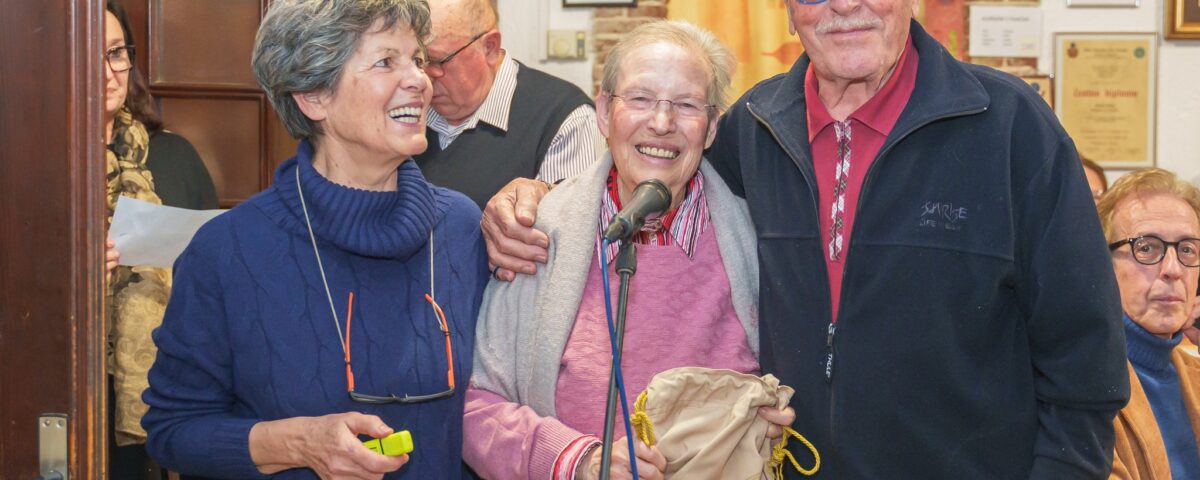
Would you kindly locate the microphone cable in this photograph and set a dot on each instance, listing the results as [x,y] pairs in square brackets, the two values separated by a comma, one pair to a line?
[616,359]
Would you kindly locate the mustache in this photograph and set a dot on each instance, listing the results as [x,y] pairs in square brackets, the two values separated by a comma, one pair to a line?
[848,23]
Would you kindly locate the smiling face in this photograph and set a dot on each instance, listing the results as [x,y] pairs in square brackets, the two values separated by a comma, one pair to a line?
[850,40]
[1157,297]
[657,143]
[116,84]
[377,108]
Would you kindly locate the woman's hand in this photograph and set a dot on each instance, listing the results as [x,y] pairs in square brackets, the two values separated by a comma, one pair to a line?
[111,258]
[513,244]
[650,463]
[778,419]
[329,445]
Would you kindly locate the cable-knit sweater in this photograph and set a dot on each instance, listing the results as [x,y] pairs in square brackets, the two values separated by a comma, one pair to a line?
[249,336]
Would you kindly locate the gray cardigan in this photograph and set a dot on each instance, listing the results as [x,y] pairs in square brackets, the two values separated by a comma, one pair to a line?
[524,324]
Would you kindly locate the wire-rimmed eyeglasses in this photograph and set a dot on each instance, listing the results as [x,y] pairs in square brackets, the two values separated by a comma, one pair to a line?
[1150,250]
[686,107]
[438,64]
[392,398]
[119,59]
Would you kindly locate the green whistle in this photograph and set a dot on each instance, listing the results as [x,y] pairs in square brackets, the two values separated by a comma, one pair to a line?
[393,445]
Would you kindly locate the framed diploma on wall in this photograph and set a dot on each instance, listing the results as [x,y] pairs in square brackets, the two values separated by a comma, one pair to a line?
[1182,19]
[599,3]
[1105,89]
[1043,85]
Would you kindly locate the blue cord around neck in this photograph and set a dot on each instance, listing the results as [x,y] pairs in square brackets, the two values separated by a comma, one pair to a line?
[616,357]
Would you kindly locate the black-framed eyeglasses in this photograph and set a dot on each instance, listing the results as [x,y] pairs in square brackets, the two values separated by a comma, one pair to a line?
[443,325]
[1150,250]
[437,64]
[686,107]
[119,59]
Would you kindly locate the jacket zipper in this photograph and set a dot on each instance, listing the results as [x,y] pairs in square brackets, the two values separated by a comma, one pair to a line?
[831,330]
[832,327]
[829,352]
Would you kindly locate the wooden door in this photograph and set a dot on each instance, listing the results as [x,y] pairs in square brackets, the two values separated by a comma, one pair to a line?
[51,230]
[196,55]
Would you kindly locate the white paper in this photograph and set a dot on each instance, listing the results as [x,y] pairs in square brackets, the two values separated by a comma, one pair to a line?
[154,235]
[1005,31]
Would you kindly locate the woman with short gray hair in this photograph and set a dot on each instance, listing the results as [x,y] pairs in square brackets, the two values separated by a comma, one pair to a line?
[349,263]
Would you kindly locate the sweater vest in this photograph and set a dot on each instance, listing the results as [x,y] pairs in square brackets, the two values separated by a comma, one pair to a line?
[483,159]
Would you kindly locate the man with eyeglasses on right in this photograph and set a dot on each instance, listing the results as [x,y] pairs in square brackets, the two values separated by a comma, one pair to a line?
[493,118]
[1152,222]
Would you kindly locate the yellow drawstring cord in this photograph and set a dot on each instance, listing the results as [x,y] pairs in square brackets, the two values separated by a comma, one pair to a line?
[644,430]
[780,452]
[641,422]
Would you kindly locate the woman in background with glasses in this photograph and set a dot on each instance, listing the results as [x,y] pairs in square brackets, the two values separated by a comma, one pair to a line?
[151,164]
[339,304]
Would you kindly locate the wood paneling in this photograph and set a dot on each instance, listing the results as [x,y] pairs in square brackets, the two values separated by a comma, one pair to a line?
[198,56]
[51,242]
[229,132]
[202,42]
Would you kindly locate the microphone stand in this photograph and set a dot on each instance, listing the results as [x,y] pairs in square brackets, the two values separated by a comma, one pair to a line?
[626,265]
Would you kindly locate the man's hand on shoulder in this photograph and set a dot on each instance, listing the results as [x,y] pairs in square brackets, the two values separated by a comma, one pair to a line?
[513,244]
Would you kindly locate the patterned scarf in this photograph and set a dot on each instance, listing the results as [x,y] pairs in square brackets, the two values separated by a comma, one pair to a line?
[137,295]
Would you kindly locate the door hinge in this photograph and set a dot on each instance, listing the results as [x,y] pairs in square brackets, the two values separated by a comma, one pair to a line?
[52,446]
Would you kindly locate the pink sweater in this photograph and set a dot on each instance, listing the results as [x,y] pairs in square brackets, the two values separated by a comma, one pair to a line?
[680,314]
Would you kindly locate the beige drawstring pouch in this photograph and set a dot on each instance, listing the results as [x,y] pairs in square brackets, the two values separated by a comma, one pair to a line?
[705,422]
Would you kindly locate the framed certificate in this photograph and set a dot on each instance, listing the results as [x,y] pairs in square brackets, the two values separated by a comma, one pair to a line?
[1043,85]
[1182,19]
[1105,87]
[1104,3]
[599,3]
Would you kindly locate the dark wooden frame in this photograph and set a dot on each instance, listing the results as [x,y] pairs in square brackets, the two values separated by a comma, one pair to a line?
[1175,28]
[599,3]
[52,311]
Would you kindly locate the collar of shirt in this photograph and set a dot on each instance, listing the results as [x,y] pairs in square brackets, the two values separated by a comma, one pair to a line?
[880,113]
[681,226]
[493,111]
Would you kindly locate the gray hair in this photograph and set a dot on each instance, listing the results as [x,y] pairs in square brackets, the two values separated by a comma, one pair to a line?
[302,46]
[715,55]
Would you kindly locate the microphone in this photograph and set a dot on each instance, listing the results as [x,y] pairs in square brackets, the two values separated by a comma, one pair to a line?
[649,198]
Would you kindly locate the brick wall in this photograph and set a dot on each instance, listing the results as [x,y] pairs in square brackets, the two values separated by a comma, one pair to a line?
[611,22]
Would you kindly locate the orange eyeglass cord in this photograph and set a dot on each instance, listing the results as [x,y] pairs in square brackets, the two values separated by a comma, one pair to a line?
[441,319]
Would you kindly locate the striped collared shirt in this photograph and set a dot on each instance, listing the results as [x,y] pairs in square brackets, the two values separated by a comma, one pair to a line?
[681,226]
[576,145]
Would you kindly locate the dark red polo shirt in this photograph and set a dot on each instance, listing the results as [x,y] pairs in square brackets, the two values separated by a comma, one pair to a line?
[869,126]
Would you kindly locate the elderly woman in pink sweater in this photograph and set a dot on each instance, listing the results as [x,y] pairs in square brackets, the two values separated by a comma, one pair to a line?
[535,408]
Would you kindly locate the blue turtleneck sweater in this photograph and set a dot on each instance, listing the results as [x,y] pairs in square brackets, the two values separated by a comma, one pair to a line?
[248,334]
[1151,359]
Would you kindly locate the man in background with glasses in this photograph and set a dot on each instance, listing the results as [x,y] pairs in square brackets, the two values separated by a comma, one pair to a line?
[1152,222]
[493,118]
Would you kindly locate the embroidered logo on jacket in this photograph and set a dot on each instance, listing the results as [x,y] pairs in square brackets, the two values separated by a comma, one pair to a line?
[942,216]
